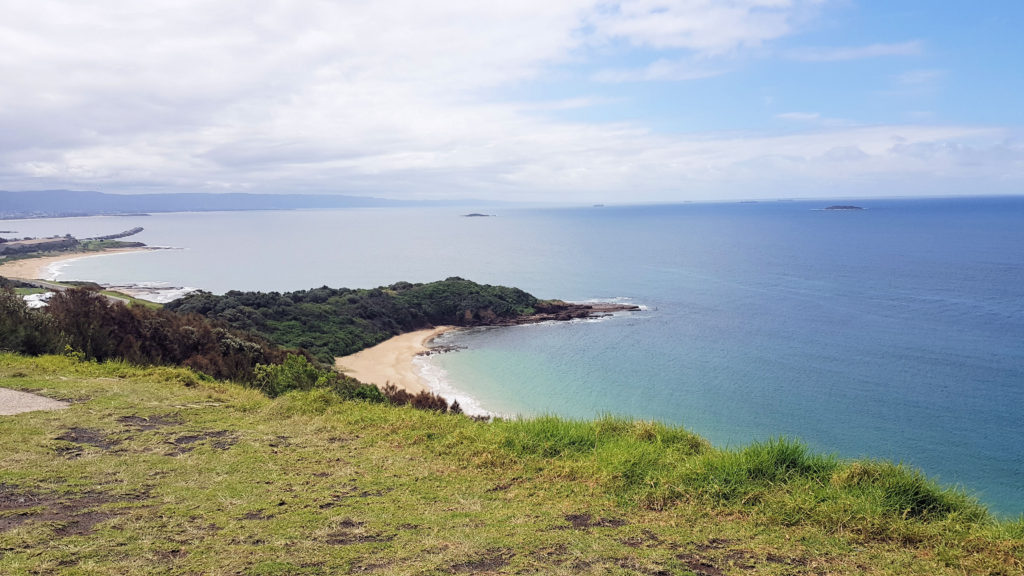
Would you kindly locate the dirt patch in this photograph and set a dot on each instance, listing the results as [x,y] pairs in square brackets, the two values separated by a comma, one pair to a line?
[504,485]
[144,423]
[350,491]
[586,521]
[634,566]
[82,524]
[645,539]
[489,562]
[257,515]
[553,555]
[699,566]
[351,532]
[280,442]
[172,555]
[220,440]
[715,544]
[13,499]
[369,568]
[84,437]
[787,561]
[76,514]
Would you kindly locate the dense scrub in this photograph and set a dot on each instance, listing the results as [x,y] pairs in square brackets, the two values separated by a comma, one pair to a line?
[330,322]
[86,323]
[83,323]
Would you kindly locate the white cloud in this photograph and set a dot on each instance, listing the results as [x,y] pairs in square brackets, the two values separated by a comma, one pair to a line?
[705,26]
[405,98]
[920,77]
[833,54]
[659,70]
[815,119]
[799,116]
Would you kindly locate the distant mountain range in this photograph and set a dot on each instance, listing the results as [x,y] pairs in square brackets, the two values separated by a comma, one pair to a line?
[53,203]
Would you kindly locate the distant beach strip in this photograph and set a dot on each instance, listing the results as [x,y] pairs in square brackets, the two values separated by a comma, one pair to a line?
[48,268]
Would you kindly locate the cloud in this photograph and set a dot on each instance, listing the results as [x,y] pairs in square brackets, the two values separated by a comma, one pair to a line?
[659,70]
[919,77]
[833,54]
[408,99]
[704,26]
[799,116]
[814,118]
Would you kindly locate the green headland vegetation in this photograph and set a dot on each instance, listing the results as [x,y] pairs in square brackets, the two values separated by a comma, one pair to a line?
[15,249]
[330,322]
[156,469]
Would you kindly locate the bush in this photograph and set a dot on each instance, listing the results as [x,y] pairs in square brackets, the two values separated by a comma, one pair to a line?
[295,373]
[422,400]
[101,330]
[24,330]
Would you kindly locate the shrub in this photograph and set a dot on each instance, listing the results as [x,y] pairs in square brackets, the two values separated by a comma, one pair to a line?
[24,330]
[295,373]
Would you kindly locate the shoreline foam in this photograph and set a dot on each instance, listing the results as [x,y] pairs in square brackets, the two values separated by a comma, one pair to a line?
[48,267]
[438,383]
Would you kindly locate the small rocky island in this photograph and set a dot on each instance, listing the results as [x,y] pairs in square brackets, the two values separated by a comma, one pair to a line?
[477,215]
[844,207]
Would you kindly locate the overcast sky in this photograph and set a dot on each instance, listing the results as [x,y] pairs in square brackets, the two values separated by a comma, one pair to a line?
[534,100]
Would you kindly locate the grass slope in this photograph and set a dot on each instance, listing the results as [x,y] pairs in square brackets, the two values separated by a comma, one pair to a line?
[159,471]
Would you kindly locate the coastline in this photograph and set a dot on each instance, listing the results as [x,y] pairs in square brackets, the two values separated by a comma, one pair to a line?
[391,361]
[36,268]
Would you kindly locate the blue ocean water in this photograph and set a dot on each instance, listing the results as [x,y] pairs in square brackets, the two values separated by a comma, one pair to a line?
[892,332]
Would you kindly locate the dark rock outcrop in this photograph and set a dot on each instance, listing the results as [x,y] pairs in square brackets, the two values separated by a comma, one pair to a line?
[556,310]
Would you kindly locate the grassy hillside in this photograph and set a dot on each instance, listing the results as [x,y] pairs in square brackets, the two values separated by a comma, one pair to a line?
[159,471]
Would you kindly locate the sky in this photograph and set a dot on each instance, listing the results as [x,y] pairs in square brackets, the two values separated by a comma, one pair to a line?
[566,101]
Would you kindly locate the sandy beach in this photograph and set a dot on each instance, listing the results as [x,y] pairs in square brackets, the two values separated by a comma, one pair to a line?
[391,361]
[35,268]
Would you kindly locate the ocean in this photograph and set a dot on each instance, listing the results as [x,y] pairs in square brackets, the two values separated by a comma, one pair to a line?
[893,332]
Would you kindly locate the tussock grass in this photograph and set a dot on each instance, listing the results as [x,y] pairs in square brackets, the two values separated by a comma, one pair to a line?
[191,476]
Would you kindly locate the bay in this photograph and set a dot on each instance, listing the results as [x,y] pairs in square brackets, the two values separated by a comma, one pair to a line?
[892,332]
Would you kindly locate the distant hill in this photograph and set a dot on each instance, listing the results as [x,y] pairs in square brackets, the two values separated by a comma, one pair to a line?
[51,203]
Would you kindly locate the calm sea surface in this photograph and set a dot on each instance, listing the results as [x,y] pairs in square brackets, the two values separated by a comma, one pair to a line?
[893,332]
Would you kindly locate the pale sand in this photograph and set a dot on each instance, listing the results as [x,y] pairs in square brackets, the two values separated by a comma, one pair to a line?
[35,268]
[14,402]
[390,362]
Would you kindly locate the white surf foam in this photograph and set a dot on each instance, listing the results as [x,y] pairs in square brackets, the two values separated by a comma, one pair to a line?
[159,292]
[438,382]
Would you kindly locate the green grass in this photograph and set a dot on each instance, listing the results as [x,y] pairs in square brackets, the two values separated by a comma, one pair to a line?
[189,476]
[27,291]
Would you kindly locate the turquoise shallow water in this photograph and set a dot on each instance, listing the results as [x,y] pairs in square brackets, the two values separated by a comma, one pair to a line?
[894,332]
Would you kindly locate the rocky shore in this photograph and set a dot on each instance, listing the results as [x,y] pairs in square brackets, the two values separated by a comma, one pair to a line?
[556,310]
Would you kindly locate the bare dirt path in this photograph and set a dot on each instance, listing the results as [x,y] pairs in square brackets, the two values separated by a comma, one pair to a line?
[14,402]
